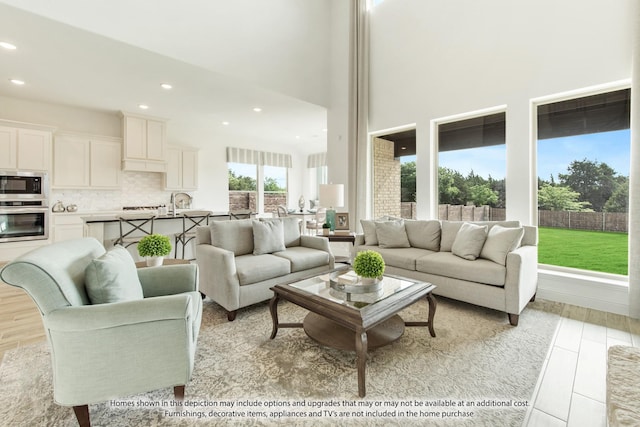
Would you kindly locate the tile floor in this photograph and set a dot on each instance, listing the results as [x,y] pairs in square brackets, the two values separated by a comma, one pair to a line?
[571,389]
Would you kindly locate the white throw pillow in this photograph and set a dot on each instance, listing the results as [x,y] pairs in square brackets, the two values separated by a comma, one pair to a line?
[392,234]
[369,230]
[113,277]
[448,234]
[501,241]
[268,237]
[469,241]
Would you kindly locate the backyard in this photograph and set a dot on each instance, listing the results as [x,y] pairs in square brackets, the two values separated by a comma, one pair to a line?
[589,250]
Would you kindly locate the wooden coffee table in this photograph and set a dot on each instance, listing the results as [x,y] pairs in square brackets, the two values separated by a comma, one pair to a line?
[350,321]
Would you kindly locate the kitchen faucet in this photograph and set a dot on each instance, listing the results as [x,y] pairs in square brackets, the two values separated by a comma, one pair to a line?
[173,204]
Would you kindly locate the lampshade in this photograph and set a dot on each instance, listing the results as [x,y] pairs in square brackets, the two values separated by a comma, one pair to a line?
[331,195]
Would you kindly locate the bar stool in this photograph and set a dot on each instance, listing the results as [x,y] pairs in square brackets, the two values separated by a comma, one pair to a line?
[240,214]
[190,220]
[134,227]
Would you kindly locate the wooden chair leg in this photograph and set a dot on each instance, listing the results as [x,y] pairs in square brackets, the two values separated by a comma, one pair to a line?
[178,392]
[82,414]
[231,315]
[513,319]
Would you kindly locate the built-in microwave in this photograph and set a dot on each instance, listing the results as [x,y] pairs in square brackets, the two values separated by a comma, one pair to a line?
[24,185]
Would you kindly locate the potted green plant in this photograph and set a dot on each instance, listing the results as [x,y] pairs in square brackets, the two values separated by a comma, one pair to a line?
[154,247]
[326,229]
[369,265]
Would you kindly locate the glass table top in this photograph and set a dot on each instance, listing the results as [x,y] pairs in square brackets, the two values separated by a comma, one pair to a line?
[321,286]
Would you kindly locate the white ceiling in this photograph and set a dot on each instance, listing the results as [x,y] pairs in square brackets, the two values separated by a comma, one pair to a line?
[222,57]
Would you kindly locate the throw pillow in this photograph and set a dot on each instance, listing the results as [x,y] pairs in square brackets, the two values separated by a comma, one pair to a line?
[392,234]
[268,237]
[448,234]
[291,230]
[423,234]
[369,230]
[501,241]
[233,235]
[113,277]
[469,241]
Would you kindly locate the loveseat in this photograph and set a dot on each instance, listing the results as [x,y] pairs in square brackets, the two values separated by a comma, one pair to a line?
[241,260]
[491,264]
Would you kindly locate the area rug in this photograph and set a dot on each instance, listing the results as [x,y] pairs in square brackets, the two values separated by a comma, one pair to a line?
[477,371]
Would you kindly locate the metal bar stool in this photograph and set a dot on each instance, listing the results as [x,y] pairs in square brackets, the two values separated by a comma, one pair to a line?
[190,220]
[134,227]
[240,214]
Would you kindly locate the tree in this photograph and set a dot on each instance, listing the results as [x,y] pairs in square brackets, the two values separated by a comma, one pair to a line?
[408,182]
[270,184]
[559,198]
[594,181]
[241,183]
[619,200]
[482,195]
[450,185]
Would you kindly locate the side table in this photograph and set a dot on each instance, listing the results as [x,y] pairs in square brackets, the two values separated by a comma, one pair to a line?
[348,238]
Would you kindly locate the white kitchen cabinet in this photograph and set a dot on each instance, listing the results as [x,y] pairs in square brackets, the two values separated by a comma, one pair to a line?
[67,226]
[144,143]
[25,149]
[182,168]
[83,161]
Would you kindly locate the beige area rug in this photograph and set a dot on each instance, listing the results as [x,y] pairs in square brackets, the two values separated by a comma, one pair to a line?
[473,373]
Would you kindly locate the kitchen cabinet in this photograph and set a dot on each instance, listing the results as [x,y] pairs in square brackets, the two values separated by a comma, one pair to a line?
[144,143]
[25,149]
[67,226]
[83,161]
[182,168]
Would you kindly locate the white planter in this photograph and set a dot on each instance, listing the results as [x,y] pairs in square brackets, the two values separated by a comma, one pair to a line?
[154,261]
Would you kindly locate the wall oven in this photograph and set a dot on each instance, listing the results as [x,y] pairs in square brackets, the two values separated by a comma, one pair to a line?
[24,206]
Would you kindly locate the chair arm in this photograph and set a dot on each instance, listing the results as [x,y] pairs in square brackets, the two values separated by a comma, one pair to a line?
[104,316]
[168,279]
[359,240]
[521,281]
[218,275]
[315,242]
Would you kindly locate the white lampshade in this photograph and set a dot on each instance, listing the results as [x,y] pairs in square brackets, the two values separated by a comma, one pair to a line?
[331,195]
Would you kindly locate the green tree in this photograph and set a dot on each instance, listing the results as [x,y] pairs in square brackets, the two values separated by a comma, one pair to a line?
[594,181]
[482,194]
[241,183]
[451,186]
[619,200]
[559,198]
[408,182]
[270,184]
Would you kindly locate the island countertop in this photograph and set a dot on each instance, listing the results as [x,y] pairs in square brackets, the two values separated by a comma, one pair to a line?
[112,217]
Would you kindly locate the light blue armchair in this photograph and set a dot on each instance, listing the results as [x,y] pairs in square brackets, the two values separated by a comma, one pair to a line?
[104,351]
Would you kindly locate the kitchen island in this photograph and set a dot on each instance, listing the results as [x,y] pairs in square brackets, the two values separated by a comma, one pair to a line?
[106,228]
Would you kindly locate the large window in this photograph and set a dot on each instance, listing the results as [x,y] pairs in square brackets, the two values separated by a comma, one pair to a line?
[275,187]
[243,189]
[472,168]
[583,152]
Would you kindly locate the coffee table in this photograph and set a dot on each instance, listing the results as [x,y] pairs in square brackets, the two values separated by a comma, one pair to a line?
[353,321]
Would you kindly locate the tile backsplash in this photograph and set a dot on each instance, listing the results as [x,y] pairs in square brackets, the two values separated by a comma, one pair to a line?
[138,189]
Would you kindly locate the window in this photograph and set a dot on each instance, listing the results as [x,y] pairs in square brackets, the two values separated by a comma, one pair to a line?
[583,152]
[275,188]
[243,190]
[472,168]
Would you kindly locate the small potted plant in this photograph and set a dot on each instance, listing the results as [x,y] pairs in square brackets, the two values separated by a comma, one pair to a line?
[369,265]
[326,229]
[154,247]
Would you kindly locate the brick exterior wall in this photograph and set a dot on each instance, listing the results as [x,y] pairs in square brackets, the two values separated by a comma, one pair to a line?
[386,180]
[243,200]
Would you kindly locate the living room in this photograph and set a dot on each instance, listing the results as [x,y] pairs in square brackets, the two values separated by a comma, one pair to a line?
[428,64]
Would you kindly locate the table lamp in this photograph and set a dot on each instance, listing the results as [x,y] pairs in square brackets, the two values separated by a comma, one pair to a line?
[331,196]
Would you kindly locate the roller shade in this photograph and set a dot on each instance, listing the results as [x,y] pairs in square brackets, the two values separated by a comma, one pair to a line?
[276,159]
[317,160]
[254,157]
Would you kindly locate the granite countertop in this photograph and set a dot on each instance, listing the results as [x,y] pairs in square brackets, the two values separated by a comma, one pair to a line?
[113,217]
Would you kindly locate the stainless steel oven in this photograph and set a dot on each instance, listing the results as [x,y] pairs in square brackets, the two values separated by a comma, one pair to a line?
[24,186]
[23,223]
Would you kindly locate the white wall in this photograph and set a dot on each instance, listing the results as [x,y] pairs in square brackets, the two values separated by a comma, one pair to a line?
[432,59]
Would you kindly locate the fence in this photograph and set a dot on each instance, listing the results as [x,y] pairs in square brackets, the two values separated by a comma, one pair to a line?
[247,200]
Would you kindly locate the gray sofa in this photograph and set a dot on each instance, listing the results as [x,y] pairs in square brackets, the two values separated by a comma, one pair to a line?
[475,262]
[241,260]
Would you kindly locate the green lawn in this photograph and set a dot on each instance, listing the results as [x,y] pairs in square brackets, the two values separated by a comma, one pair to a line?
[588,250]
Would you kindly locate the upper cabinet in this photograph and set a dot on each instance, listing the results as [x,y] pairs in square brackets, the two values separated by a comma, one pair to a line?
[83,161]
[182,168]
[144,143]
[25,149]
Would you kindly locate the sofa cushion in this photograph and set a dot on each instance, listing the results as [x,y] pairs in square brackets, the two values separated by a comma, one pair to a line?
[392,234]
[235,236]
[256,268]
[268,237]
[469,241]
[303,258]
[423,234]
[448,265]
[500,241]
[291,230]
[399,257]
[113,277]
[448,233]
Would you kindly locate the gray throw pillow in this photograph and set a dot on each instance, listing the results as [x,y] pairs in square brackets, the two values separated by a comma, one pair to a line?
[392,234]
[113,277]
[423,234]
[369,230]
[268,237]
[449,231]
[501,241]
[469,241]
[235,236]
[291,230]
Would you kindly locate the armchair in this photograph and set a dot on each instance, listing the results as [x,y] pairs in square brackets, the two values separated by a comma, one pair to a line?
[104,351]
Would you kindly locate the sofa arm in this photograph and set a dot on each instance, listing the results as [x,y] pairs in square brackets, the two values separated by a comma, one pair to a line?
[218,275]
[168,280]
[315,242]
[522,277]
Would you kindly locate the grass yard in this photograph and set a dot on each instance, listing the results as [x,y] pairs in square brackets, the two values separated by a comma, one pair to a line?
[588,250]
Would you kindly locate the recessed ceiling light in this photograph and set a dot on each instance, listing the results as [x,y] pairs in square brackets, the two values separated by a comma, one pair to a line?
[403,148]
[324,130]
[257,109]
[166,86]
[225,123]
[8,46]
[143,106]
[16,82]
[297,136]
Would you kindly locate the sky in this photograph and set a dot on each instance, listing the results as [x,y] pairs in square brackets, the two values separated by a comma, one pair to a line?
[554,155]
